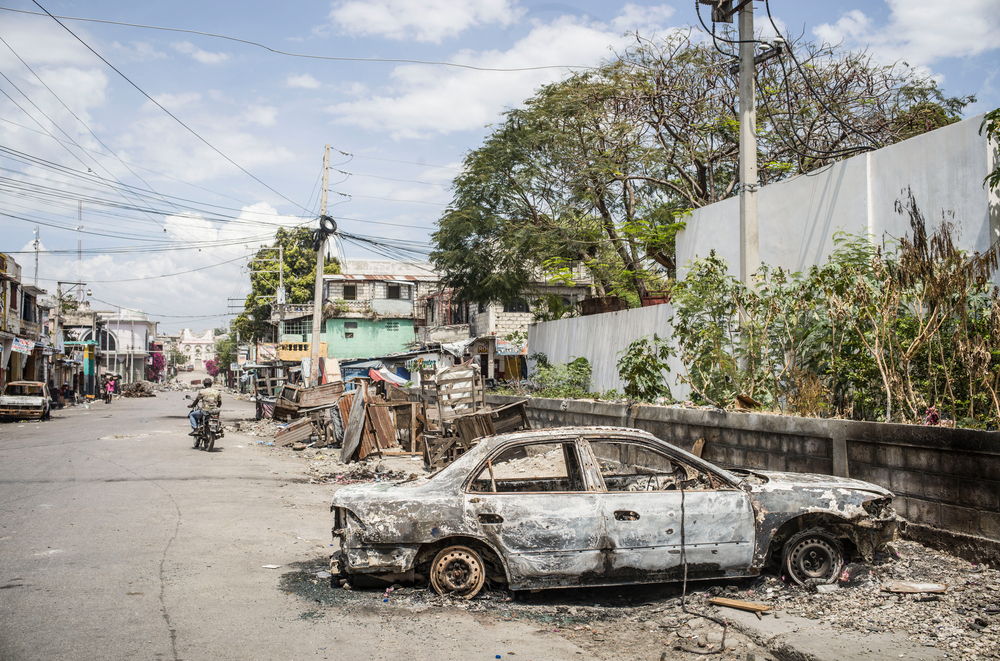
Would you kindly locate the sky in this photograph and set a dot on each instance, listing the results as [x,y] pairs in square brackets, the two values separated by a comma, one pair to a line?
[257,121]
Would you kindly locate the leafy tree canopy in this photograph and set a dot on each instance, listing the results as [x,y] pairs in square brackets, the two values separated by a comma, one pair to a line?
[601,169]
[299,278]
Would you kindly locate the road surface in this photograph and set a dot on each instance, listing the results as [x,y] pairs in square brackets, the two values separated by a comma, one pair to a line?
[119,541]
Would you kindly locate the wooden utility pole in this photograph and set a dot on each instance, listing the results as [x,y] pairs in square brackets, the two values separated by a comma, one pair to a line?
[320,267]
[749,233]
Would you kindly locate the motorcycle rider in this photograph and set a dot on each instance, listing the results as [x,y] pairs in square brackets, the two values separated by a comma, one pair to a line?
[208,400]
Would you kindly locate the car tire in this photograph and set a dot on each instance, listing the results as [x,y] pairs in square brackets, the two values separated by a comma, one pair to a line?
[458,571]
[813,557]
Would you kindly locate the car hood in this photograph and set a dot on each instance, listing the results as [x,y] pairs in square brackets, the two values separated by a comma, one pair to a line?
[780,481]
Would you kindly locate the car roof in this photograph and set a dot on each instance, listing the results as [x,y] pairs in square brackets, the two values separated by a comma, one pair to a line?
[489,443]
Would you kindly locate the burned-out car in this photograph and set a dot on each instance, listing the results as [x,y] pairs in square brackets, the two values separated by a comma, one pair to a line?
[603,506]
[25,400]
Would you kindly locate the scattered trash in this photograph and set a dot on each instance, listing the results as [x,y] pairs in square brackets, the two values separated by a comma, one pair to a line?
[271,566]
[827,587]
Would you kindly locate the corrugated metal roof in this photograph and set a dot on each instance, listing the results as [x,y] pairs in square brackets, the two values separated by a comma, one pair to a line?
[386,278]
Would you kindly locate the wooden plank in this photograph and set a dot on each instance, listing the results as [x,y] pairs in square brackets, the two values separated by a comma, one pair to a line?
[294,432]
[741,605]
[698,447]
[353,429]
[906,587]
[383,426]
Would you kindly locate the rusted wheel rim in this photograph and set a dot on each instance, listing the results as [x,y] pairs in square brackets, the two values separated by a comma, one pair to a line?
[458,571]
[813,560]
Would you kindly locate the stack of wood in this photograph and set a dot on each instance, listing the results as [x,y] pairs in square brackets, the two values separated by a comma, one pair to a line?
[378,426]
[453,403]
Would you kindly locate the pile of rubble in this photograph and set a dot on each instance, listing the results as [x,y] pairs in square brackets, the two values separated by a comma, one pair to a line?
[138,389]
[173,386]
[329,469]
[963,620]
[265,428]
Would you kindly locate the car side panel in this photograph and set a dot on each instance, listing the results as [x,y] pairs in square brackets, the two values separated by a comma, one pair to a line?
[547,539]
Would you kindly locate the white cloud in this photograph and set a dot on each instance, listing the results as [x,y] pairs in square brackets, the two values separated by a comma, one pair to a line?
[921,31]
[638,17]
[203,56]
[423,20]
[140,51]
[261,115]
[303,81]
[424,100]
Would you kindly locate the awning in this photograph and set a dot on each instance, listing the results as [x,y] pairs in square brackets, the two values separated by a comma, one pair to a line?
[387,376]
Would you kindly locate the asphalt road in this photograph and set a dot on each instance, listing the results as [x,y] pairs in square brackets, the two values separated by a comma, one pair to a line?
[118,541]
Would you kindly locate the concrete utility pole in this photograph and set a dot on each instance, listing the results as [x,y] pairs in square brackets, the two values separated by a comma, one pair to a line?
[35,244]
[749,233]
[320,267]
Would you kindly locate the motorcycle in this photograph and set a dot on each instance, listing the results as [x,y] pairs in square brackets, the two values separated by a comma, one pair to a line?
[208,430]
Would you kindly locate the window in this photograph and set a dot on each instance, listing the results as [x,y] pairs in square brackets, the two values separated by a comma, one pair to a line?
[393,291]
[633,467]
[349,336]
[392,325]
[350,324]
[350,292]
[298,327]
[531,468]
[481,308]
[520,305]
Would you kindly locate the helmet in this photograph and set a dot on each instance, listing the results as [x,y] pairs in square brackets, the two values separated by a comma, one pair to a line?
[207,382]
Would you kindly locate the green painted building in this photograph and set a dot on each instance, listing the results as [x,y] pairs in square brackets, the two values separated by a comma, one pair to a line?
[364,338]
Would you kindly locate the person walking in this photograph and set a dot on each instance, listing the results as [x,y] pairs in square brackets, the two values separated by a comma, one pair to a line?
[109,390]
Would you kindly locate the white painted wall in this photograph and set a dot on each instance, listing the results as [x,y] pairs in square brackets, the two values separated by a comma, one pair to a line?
[601,338]
[799,217]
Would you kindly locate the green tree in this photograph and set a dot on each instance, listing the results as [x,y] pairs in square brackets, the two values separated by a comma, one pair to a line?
[601,169]
[299,278]
[991,128]
[225,351]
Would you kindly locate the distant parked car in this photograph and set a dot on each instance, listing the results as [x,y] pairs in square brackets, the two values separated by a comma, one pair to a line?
[25,400]
[603,506]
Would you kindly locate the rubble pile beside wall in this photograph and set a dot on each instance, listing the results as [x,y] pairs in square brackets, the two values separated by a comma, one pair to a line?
[946,480]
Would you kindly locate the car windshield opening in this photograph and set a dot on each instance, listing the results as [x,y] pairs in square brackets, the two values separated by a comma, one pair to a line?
[634,467]
[533,467]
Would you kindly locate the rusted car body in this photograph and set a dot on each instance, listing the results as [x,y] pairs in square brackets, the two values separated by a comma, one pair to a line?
[603,506]
[25,400]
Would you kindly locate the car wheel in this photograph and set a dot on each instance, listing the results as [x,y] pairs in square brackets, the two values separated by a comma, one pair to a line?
[813,557]
[458,571]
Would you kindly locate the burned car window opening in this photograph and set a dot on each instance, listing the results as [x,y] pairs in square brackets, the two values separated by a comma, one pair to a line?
[626,466]
[528,468]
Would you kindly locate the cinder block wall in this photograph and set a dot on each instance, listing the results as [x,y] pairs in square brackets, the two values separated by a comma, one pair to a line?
[944,479]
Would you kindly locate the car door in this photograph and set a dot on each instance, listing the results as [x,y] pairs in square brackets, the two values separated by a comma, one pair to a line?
[534,503]
[660,512]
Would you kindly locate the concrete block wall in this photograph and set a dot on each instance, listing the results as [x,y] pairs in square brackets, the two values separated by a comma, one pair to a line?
[944,479]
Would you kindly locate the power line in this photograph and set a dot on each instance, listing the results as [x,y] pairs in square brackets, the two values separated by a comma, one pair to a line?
[214,35]
[164,275]
[170,114]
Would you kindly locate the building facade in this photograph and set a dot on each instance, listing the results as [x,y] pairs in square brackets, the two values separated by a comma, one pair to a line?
[25,348]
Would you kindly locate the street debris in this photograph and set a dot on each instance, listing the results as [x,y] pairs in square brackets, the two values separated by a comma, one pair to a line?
[138,389]
[270,566]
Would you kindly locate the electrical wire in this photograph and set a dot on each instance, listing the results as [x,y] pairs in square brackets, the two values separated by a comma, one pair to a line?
[75,116]
[170,114]
[791,53]
[389,60]
[164,275]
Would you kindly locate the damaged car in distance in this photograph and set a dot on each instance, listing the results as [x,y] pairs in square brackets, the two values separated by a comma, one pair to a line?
[596,506]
